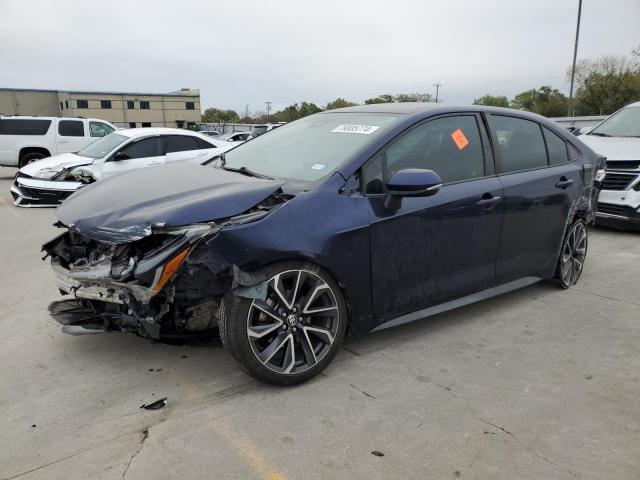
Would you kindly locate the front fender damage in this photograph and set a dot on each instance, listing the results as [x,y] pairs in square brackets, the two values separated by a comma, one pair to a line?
[169,283]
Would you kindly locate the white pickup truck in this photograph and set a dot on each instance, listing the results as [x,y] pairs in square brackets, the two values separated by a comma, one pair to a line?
[26,139]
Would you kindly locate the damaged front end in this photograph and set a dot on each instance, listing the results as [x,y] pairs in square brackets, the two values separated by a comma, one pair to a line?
[156,281]
[49,187]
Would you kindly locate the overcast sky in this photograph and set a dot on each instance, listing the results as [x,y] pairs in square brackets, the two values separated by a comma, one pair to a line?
[288,51]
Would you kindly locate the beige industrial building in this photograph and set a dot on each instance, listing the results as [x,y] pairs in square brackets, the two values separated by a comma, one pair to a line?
[179,109]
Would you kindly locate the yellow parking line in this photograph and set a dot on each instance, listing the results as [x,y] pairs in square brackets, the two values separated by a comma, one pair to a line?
[242,445]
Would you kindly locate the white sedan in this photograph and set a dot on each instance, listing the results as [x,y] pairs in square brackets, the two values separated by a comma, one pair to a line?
[47,182]
[236,138]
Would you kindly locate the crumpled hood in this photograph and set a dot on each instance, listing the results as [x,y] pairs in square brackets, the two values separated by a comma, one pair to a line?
[47,167]
[123,208]
[614,148]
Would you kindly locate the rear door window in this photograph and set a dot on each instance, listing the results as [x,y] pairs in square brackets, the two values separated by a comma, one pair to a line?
[520,145]
[71,128]
[14,126]
[182,143]
[147,147]
[556,147]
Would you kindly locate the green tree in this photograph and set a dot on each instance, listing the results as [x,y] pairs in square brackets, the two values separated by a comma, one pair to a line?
[216,115]
[544,101]
[493,101]
[413,97]
[379,99]
[339,103]
[606,84]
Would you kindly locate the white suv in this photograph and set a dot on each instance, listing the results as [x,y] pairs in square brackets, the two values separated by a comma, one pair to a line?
[618,139]
[26,139]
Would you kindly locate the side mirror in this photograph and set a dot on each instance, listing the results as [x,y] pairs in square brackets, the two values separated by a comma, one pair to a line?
[411,182]
[121,156]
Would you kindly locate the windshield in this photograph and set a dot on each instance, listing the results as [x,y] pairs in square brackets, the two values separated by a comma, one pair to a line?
[624,123]
[312,147]
[101,147]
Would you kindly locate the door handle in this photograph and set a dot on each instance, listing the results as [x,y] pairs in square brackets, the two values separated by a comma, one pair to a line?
[564,182]
[489,201]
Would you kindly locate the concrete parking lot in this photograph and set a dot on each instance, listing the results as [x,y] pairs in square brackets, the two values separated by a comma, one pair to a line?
[541,383]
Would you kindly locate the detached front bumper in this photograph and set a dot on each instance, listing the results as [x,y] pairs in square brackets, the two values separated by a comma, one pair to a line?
[32,192]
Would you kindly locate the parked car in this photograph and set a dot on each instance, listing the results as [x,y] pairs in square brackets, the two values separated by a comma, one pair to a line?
[210,133]
[618,139]
[346,221]
[26,139]
[257,130]
[236,138]
[48,182]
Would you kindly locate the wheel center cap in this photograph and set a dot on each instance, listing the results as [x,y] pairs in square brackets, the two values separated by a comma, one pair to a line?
[292,320]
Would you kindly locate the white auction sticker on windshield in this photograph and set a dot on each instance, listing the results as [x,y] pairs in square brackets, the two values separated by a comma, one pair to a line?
[318,166]
[350,128]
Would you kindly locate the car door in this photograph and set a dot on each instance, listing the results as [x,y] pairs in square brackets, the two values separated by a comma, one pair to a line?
[187,147]
[70,135]
[442,246]
[141,153]
[540,186]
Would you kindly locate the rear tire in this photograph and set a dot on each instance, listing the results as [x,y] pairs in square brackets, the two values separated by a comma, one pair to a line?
[292,335]
[31,157]
[573,254]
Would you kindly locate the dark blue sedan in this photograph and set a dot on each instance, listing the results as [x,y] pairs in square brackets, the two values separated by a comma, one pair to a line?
[337,224]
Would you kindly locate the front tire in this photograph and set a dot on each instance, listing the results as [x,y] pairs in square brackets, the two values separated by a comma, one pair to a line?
[292,335]
[573,254]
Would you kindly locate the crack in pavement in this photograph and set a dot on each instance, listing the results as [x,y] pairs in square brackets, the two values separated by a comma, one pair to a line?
[484,420]
[144,434]
[54,462]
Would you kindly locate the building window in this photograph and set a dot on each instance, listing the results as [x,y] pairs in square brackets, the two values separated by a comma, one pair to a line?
[105,104]
[132,125]
[131,104]
[144,105]
[66,103]
[145,124]
[190,105]
[61,106]
[82,104]
[180,123]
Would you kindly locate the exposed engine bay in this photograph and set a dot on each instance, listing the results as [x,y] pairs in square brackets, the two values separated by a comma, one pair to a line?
[154,280]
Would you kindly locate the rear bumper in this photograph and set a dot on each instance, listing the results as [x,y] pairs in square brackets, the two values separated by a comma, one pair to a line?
[29,192]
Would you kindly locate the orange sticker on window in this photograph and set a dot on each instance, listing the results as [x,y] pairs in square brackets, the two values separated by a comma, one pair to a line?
[459,139]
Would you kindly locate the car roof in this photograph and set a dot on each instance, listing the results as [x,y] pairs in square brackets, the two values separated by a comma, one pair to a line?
[36,117]
[418,108]
[634,104]
[145,131]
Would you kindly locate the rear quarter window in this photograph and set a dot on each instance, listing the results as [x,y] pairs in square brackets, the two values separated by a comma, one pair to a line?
[14,126]
[556,147]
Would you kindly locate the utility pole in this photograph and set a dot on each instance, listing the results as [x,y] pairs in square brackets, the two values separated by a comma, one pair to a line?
[268,104]
[437,85]
[573,67]
[246,112]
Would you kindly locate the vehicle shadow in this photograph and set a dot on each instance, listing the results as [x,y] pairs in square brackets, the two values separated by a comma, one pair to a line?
[208,360]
